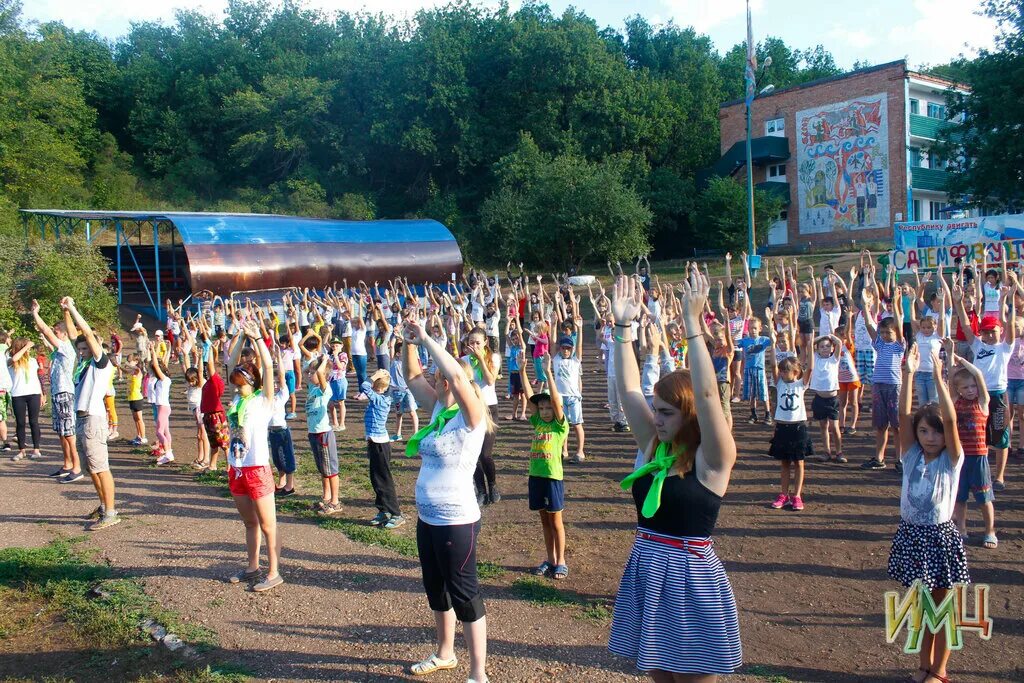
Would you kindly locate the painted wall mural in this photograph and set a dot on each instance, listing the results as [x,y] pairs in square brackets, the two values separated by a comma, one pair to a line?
[842,155]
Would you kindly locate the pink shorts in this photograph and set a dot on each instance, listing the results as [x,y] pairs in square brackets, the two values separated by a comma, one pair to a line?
[254,482]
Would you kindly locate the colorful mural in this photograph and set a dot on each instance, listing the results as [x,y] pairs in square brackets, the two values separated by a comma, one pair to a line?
[842,156]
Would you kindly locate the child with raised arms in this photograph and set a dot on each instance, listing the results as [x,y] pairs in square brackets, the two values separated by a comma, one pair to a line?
[791,443]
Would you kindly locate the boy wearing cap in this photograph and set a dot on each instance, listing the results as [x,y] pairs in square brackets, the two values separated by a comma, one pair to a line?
[378,450]
[546,489]
[567,366]
[992,350]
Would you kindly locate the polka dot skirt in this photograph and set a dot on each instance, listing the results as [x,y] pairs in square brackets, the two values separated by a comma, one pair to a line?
[931,553]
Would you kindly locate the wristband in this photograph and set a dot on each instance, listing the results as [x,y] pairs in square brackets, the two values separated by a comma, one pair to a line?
[622,340]
[621,325]
[694,336]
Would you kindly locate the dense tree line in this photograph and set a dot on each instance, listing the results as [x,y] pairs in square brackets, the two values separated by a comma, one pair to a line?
[484,119]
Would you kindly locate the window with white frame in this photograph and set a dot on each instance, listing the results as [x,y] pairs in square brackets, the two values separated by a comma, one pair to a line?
[915,106]
[936,111]
[917,211]
[935,211]
[777,173]
[776,127]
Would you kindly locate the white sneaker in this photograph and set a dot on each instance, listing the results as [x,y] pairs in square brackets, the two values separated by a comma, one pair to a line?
[164,459]
[113,436]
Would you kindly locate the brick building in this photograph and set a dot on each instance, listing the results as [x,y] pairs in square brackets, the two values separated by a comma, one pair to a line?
[851,153]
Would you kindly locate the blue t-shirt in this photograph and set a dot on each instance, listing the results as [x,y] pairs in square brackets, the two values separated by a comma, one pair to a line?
[721,366]
[316,409]
[515,359]
[753,351]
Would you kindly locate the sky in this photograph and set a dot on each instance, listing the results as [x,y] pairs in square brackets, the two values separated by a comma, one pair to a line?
[876,31]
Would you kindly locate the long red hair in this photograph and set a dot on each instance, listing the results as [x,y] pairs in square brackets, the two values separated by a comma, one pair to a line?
[676,389]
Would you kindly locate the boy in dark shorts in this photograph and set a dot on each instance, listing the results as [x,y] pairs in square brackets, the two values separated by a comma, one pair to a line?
[546,490]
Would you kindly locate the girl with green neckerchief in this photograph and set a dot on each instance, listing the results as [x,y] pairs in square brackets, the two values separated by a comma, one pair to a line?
[673,585]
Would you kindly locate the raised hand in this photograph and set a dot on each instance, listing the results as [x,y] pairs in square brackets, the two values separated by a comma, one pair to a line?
[957,294]
[35,307]
[250,329]
[936,361]
[693,295]
[913,359]
[626,299]
[412,332]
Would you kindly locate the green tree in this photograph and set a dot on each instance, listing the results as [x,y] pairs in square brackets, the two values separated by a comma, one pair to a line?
[721,214]
[982,143]
[559,211]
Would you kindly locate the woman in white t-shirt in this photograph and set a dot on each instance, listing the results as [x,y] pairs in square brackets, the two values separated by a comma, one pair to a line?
[486,366]
[250,477]
[26,395]
[449,515]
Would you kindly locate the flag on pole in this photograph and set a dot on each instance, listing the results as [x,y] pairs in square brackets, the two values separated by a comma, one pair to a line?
[751,68]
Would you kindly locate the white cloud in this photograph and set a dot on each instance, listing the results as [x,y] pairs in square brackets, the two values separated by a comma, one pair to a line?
[943,29]
[705,15]
[858,39]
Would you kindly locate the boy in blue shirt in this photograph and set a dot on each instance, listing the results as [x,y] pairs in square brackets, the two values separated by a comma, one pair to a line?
[378,449]
[755,384]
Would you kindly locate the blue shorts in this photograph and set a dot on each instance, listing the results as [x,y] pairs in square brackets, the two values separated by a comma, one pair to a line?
[339,390]
[573,409]
[546,494]
[403,401]
[1015,392]
[976,480]
[754,384]
[289,381]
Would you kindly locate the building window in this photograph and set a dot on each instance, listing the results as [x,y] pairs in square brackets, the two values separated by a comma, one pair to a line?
[935,161]
[917,211]
[776,127]
[915,157]
[783,215]
[935,211]
[777,172]
[936,111]
[915,106]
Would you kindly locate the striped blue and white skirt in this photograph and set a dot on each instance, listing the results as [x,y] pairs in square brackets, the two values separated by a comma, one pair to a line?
[675,609]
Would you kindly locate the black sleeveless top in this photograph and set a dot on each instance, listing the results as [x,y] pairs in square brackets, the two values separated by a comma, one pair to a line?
[688,508]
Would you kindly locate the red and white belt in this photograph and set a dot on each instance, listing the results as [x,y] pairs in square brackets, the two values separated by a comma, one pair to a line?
[693,546]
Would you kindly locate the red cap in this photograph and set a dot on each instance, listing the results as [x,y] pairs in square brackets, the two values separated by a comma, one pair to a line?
[989,323]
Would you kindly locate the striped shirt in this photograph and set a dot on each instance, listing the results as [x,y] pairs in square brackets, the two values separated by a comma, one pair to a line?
[888,359]
[970,425]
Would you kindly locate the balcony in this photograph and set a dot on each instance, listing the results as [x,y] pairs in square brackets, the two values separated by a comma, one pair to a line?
[933,179]
[769,149]
[926,126]
[780,190]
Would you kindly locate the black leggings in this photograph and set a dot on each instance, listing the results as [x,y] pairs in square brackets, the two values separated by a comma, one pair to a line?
[27,407]
[448,562]
[486,474]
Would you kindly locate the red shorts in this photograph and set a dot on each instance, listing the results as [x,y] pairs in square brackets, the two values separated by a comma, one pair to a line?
[849,386]
[254,482]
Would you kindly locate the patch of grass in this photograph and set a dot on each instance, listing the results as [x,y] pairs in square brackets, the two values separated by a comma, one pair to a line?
[767,675]
[106,610]
[489,570]
[372,536]
[544,594]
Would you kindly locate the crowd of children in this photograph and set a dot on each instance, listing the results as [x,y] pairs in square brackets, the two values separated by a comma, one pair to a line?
[821,334]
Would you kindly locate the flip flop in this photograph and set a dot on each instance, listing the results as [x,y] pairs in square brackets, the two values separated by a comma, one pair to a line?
[989,541]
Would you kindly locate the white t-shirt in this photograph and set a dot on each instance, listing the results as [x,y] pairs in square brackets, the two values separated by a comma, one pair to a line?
[486,390]
[828,321]
[25,381]
[358,341]
[444,487]
[277,419]
[493,325]
[162,391]
[992,360]
[825,373]
[929,488]
[249,446]
[789,405]
[567,373]
[991,298]
[92,386]
[861,338]
[925,346]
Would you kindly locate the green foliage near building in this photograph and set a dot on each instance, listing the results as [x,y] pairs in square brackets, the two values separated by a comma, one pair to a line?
[984,142]
[283,108]
[721,214]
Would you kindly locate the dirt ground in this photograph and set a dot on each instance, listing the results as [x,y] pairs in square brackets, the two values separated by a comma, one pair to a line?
[809,585]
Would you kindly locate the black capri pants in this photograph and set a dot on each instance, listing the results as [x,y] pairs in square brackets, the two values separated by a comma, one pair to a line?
[448,562]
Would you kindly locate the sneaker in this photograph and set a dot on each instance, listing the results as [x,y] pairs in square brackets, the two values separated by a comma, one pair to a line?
[899,467]
[873,464]
[59,473]
[395,522]
[381,518]
[135,442]
[290,416]
[735,400]
[797,503]
[494,496]
[6,448]
[578,458]
[998,485]
[106,521]
[284,493]
[851,431]
[481,498]
[71,478]
[18,457]
[331,509]
[113,436]
[396,437]
[752,420]
[768,421]
[35,455]
[95,514]
[164,459]
[780,501]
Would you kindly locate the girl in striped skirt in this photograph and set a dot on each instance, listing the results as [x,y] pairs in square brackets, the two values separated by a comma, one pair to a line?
[675,614]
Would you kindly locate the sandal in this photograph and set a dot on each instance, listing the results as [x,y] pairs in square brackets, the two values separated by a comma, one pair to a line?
[561,572]
[991,542]
[244,575]
[433,663]
[910,677]
[542,569]
[941,679]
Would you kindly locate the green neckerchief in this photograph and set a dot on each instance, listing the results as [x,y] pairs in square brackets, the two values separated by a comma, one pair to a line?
[413,446]
[236,411]
[660,465]
[76,375]
[477,372]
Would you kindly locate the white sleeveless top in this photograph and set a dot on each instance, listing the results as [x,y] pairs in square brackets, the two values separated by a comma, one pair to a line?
[789,406]
[444,487]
